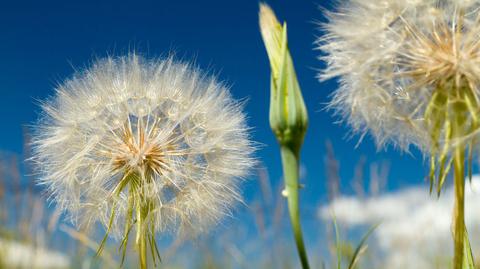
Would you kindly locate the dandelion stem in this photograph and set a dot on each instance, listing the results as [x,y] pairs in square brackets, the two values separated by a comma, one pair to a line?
[142,246]
[290,160]
[141,234]
[459,208]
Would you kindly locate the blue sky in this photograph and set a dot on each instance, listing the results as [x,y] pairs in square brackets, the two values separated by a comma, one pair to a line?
[41,43]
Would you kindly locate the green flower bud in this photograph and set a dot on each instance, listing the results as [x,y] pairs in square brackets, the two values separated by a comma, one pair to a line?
[288,114]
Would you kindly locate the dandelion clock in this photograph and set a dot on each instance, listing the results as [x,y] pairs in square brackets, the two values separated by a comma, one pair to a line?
[409,74]
[143,146]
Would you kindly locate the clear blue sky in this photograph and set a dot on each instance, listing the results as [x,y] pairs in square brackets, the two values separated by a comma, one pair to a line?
[41,42]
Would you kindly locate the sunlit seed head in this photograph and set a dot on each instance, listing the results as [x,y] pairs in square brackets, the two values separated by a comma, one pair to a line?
[409,70]
[155,130]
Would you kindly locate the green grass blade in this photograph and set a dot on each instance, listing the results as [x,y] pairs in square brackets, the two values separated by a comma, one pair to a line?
[104,240]
[468,262]
[360,247]
[337,243]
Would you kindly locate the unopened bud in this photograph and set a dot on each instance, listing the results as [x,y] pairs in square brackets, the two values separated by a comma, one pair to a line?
[288,114]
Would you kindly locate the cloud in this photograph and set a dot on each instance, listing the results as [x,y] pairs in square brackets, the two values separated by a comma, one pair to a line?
[19,255]
[415,229]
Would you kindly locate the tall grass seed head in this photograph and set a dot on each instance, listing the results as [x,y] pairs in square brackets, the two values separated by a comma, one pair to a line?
[409,71]
[156,132]
[288,113]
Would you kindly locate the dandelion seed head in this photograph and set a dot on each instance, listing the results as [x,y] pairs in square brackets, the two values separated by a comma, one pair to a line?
[178,130]
[408,70]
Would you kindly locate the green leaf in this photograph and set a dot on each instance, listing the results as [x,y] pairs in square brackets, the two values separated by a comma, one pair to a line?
[337,243]
[468,262]
[104,240]
[360,247]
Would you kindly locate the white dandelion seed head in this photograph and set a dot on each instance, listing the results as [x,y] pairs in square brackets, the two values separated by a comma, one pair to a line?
[179,129]
[391,56]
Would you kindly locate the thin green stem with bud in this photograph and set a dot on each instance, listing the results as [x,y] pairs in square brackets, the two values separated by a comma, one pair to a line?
[290,160]
[288,115]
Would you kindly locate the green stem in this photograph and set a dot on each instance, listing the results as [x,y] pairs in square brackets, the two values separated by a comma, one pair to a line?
[290,160]
[141,234]
[459,208]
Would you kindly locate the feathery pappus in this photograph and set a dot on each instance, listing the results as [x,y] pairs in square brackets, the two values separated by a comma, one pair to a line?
[151,142]
[409,72]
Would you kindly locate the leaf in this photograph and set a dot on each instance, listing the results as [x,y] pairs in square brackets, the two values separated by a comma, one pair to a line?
[361,246]
[468,262]
[104,240]
[337,243]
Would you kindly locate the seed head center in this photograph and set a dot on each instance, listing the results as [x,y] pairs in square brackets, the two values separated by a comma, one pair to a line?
[138,153]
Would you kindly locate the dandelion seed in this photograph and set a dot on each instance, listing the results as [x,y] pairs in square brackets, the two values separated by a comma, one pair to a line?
[152,144]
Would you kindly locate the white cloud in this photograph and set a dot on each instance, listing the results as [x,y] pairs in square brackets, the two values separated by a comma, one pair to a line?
[19,255]
[415,229]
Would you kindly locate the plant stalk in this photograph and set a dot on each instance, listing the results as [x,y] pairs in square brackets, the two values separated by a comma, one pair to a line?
[141,236]
[290,160]
[459,207]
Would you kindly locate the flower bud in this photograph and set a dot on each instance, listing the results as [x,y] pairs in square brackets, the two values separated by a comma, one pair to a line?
[288,114]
